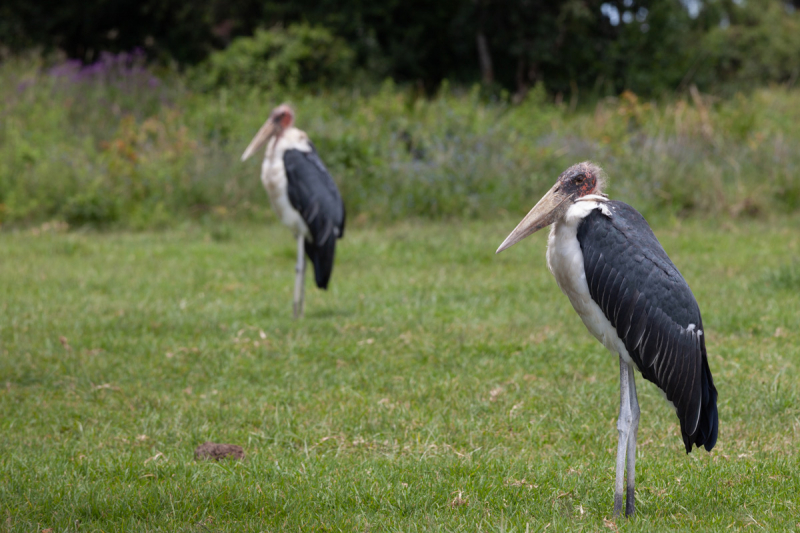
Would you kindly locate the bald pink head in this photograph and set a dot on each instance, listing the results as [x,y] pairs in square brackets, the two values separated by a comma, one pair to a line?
[282,116]
[582,179]
[281,119]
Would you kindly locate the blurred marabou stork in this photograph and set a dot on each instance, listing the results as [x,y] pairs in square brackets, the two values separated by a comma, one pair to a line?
[631,297]
[303,194]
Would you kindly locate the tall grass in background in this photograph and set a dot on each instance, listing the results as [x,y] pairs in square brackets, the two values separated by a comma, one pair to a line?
[113,144]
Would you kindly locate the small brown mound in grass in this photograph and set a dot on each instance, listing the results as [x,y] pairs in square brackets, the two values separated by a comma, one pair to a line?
[215,451]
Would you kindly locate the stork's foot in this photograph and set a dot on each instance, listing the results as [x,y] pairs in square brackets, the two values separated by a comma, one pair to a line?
[630,503]
[617,504]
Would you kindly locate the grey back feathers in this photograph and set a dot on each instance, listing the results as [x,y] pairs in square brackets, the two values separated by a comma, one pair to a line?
[654,312]
[313,193]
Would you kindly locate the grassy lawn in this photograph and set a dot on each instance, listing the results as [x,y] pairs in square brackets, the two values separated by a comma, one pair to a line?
[434,387]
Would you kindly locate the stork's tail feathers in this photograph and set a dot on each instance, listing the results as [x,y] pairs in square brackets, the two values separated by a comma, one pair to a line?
[708,426]
[322,258]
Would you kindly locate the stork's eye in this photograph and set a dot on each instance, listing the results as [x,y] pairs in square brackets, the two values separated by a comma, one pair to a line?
[579,178]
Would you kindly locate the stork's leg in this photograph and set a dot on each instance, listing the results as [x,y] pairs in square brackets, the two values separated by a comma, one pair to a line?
[630,502]
[624,428]
[299,282]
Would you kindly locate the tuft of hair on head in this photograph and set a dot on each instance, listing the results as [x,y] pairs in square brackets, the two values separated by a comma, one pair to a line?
[283,108]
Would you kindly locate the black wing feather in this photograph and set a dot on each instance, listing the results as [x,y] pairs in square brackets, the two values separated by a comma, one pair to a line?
[313,193]
[651,306]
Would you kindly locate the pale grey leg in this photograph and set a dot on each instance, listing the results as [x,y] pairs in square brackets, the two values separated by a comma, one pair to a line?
[623,427]
[630,502]
[299,282]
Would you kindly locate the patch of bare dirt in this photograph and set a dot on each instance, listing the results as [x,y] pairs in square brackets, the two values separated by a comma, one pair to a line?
[215,451]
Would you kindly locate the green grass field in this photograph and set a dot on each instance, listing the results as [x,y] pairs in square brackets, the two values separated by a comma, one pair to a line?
[436,386]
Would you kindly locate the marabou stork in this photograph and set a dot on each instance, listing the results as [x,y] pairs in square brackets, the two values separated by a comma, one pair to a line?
[303,194]
[631,297]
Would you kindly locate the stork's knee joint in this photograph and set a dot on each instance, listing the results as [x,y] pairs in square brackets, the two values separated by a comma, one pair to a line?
[624,421]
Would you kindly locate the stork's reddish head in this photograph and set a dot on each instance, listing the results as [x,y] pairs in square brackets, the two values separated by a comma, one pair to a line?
[282,116]
[577,181]
[580,180]
[281,119]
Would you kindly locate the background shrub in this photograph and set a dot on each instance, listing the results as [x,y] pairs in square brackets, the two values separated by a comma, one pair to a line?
[114,145]
[759,43]
[301,55]
[578,49]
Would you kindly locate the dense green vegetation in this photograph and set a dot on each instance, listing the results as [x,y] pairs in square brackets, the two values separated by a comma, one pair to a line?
[113,145]
[573,47]
[434,387]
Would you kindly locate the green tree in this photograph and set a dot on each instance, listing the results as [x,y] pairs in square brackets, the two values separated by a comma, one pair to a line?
[301,55]
[758,42]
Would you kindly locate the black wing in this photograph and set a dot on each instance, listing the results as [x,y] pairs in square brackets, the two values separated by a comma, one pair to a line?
[651,306]
[315,196]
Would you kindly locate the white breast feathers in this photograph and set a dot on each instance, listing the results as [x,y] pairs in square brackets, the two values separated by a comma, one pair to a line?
[565,261]
[273,177]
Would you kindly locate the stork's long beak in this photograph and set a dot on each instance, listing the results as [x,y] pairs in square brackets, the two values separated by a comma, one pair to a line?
[261,138]
[544,213]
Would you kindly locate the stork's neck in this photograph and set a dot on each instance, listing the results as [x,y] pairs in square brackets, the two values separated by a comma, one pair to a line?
[597,197]
[581,208]
[290,139]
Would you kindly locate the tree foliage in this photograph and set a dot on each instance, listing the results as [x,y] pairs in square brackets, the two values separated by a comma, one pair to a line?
[760,41]
[571,46]
[300,55]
